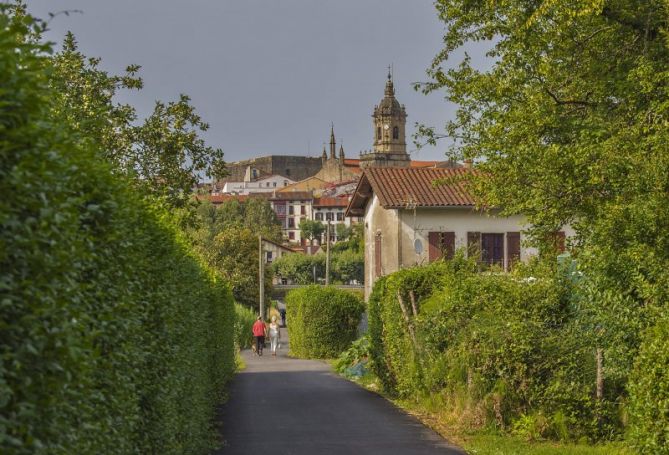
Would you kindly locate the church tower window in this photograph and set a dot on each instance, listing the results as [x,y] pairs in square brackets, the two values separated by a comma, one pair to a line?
[378,133]
[396,132]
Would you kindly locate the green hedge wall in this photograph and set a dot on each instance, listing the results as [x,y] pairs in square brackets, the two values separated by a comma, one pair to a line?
[494,349]
[114,338]
[322,321]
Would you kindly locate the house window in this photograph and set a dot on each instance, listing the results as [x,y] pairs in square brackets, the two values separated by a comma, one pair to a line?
[291,222]
[274,184]
[287,172]
[378,133]
[285,183]
[340,216]
[441,244]
[303,210]
[328,216]
[267,184]
[319,216]
[492,249]
[269,257]
[291,210]
[291,235]
[396,133]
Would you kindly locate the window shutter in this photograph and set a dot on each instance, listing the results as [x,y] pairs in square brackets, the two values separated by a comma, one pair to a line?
[560,241]
[448,244]
[474,245]
[512,248]
[434,252]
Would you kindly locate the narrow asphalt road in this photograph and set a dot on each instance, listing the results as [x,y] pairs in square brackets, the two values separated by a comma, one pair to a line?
[280,405]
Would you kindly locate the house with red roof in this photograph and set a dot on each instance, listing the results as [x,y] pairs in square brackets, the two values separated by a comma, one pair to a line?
[408,220]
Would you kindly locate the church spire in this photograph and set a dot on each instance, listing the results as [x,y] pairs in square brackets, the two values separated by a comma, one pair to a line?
[333,143]
[390,88]
[324,156]
[341,154]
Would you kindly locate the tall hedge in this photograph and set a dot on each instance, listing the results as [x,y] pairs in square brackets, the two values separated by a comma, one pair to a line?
[322,321]
[114,338]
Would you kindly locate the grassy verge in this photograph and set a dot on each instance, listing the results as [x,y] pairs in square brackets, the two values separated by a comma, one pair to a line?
[486,443]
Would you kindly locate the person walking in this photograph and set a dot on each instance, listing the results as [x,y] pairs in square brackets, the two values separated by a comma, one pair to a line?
[274,335]
[259,332]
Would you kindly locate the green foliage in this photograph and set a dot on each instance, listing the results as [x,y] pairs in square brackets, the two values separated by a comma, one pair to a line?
[115,338]
[323,321]
[164,155]
[345,266]
[348,266]
[310,229]
[300,267]
[568,123]
[227,236]
[508,351]
[245,317]
[649,392]
[358,352]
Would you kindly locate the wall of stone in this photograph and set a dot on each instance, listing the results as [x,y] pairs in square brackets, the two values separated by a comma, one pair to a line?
[294,167]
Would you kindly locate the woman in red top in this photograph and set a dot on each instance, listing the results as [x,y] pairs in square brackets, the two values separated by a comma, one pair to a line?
[259,333]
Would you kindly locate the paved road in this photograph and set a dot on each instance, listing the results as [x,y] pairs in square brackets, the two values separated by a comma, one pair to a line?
[287,406]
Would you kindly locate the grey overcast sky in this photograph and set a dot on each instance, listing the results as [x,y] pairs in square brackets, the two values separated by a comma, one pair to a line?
[269,76]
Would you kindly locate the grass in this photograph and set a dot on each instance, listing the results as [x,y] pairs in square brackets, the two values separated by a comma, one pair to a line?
[486,443]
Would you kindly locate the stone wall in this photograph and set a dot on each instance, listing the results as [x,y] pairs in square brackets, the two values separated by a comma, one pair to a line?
[294,167]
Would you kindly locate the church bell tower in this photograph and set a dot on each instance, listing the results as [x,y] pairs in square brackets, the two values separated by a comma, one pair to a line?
[389,119]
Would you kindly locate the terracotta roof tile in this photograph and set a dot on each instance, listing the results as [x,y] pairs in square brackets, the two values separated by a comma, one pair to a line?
[399,187]
[331,202]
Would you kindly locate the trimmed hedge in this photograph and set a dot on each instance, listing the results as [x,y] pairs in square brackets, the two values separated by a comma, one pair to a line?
[115,339]
[322,321]
[245,317]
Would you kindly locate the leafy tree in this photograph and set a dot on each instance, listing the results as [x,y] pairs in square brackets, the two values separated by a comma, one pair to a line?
[164,154]
[300,268]
[259,216]
[568,123]
[348,265]
[343,232]
[310,229]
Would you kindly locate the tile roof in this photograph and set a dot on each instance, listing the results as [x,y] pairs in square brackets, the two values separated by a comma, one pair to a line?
[402,187]
[221,198]
[331,202]
[292,195]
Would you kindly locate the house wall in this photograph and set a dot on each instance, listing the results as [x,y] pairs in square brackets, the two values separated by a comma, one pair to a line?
[400,229]
[457,220]
[386,222]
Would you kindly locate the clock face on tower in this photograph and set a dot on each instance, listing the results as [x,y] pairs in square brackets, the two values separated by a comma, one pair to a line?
[386,126]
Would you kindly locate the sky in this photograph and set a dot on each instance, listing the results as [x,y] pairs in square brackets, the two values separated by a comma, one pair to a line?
[269,76]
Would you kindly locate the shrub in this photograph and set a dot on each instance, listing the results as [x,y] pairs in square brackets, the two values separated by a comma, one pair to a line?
[508,349]
[322,321]
[245,317]
[649,392]
[115,338]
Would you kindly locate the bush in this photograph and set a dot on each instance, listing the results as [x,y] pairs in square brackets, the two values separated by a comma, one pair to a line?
[243,325]
[505,348]
[115,338]
[300,267]
[649,392]
[322,321]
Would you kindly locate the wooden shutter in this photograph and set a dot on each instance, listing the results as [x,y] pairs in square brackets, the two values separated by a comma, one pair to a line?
[512,248]
[474,245]
[448,244]
[377,255]
[434,252]
[560,241]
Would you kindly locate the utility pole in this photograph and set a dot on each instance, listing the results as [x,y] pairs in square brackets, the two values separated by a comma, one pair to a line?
[261,276]
[327,255]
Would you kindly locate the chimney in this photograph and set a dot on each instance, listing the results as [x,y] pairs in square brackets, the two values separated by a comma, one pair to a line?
[468,163]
